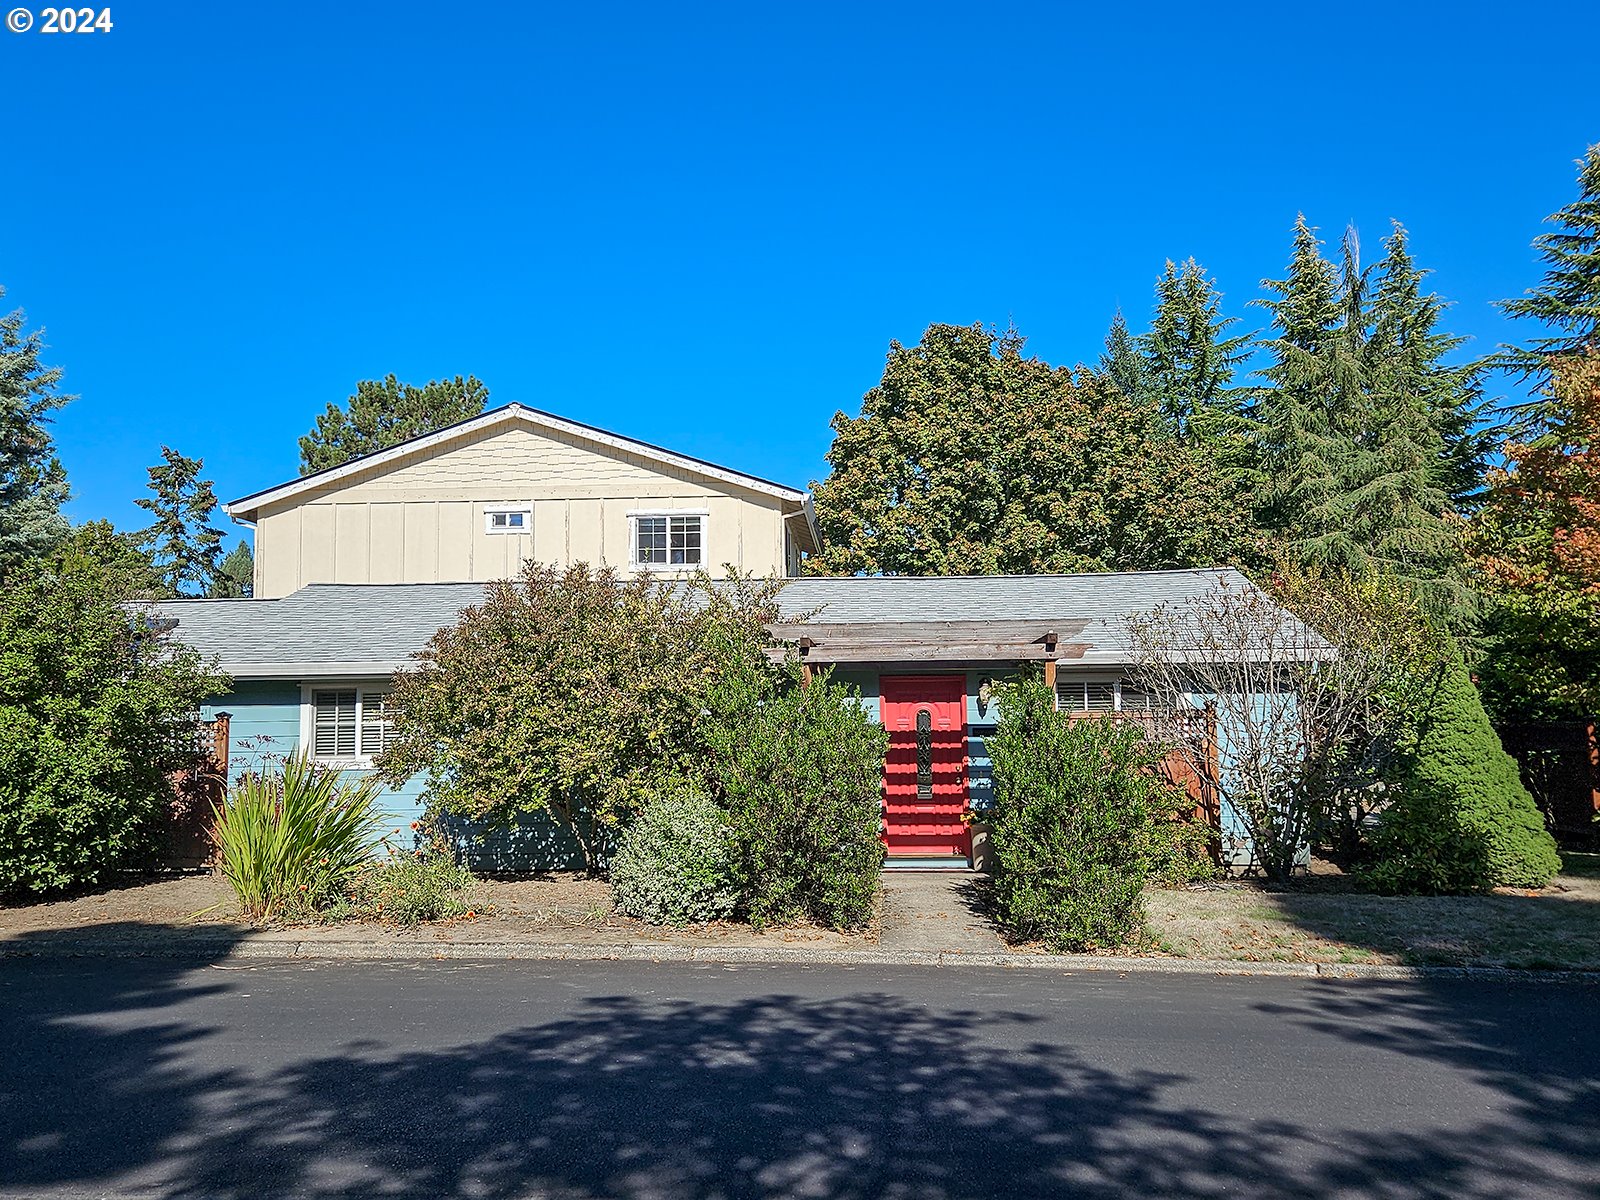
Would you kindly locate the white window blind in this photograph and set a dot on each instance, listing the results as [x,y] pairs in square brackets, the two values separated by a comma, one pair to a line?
[376,730]
[1099,695]
[334,729]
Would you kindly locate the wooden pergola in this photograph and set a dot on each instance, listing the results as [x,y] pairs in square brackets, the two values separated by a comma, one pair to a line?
[817,644]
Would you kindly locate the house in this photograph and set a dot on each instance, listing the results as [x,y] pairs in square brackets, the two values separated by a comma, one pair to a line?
[358,566]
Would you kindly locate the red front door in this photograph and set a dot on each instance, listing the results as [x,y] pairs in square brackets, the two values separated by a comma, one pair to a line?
[925,771]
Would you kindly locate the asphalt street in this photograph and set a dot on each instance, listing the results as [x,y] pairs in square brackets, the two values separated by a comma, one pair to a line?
[169,1079]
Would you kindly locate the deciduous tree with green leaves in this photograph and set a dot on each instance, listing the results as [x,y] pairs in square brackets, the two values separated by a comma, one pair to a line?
[33,485]
[969,458]
[96,713]
[385,412]
[182,542]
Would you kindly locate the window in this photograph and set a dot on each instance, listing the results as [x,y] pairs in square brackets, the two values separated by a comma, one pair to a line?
[1100,695]
[507,520]
[348,724]
[668,540]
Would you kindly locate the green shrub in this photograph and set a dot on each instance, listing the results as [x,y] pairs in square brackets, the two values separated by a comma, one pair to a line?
[96,714]
[1080,822]
[1421,849]
[800,771]
[570,692]
[677,864]
[408,888]
[290,842]
[1462,820]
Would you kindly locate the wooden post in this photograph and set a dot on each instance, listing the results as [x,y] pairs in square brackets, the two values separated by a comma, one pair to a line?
[219,741]
[805,667]
[1050,662]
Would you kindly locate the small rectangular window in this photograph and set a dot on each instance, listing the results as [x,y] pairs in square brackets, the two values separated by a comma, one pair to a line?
[668,541]
[507,520]
[334,725]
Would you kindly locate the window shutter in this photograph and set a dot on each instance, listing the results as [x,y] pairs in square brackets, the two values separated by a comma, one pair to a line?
[375,727]
[1099,697]
[334,735]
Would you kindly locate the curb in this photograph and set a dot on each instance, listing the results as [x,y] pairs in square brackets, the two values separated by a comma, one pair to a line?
[275,949]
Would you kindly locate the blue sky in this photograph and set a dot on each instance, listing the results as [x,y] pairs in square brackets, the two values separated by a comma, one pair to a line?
[701,225]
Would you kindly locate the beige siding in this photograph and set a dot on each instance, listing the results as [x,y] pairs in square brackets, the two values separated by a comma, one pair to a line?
[422,519]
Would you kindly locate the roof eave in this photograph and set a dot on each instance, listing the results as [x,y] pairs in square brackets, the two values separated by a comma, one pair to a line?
[245,508]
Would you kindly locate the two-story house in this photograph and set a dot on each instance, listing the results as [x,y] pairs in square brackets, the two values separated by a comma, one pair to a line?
[358,566]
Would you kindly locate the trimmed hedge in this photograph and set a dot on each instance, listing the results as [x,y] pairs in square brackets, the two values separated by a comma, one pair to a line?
[1463,821]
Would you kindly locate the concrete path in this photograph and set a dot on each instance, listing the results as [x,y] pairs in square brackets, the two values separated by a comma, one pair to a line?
[934,912]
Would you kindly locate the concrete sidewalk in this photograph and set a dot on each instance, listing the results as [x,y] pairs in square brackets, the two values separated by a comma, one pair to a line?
[210,945]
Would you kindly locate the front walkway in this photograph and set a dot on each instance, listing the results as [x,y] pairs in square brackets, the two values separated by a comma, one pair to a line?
[934,912]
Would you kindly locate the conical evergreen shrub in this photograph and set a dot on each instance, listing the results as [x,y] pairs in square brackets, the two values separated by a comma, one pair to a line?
[1463,821]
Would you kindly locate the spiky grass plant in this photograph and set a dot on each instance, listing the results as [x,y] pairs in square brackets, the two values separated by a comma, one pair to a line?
[290,841]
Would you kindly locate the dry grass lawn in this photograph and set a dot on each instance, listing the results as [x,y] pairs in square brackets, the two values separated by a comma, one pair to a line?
[1558,927]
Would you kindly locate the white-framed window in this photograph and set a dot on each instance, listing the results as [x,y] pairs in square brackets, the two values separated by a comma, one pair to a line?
[507,520]
[667,541]
[1100,695]
[344,723]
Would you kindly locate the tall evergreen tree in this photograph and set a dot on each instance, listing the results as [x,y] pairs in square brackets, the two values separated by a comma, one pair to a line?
[33,485]
[1303,442]
[1190,363]
[385,412]
[236,577]
[182,542]
[1411,350]
[1123,363]
[1567,300]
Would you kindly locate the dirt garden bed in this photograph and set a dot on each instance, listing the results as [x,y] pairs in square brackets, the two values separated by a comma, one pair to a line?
[570,909]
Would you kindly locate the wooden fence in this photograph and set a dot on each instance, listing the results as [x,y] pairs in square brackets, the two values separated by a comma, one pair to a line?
[1560,763]
[196,793]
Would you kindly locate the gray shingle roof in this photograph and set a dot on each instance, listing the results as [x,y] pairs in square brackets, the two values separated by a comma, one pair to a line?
[374,629]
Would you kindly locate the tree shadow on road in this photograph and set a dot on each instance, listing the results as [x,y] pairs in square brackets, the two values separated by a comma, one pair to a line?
[864,1095]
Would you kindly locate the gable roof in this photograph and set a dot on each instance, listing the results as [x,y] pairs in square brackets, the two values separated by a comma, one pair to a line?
[245,508]
[349,630]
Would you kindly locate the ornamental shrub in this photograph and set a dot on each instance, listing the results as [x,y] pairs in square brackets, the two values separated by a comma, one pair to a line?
[97,713]
[1081,821]
[290,843]
[1462,820]
[677,863]
[407,888]
[799,770]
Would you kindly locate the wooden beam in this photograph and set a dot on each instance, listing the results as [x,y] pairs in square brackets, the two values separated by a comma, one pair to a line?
[1050,673]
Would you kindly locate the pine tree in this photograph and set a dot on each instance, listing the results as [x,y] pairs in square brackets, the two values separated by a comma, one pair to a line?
[1123,363]
[1567,300]
[182,542]
[236,576]
[1304,443]
[1189,362]
[33,485]
[383,413]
